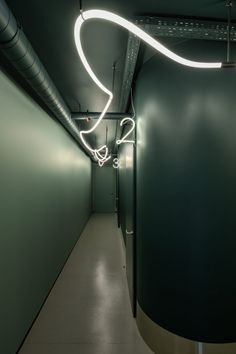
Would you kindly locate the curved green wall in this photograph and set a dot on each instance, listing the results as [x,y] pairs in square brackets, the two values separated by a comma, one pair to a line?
[186,195]
[45,201]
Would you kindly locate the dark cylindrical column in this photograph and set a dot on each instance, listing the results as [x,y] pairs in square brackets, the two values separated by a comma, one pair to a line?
[186,195]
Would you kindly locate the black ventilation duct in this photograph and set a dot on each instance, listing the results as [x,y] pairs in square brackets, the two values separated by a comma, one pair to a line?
[18,50]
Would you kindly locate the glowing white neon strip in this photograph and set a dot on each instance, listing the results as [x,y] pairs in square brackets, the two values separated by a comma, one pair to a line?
[116,163]
[123,140]
[127,119]
[109,16]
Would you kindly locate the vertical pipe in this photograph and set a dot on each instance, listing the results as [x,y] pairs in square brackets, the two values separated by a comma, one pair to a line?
[229,9]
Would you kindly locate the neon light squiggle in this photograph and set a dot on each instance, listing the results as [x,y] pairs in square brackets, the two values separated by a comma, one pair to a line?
[109,16]
[116,163]
[124,140]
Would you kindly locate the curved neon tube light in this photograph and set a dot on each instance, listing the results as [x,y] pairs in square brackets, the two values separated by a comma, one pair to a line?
[124,140]
[109,16]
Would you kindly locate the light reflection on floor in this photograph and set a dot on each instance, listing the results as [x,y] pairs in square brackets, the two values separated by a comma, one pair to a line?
[88,310]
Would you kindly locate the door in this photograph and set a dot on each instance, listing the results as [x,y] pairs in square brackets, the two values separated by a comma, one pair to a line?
[104,189]
[130,227]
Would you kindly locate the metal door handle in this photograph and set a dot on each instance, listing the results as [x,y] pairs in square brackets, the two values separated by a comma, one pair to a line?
[129,232]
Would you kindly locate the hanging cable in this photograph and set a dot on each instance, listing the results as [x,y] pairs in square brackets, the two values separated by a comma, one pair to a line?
[132,102]
[113,76]
[113,86]
[80,5]
[106,135]
[229,5]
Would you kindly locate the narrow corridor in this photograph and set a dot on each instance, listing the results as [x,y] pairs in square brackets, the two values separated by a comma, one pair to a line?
[88,309]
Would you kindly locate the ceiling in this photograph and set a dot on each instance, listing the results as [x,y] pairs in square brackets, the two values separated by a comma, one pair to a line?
[49,24]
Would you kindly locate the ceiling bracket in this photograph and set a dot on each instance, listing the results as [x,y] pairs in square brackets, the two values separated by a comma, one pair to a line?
[167,27]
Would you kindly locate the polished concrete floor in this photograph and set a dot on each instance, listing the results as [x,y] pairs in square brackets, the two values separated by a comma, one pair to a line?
[88,309]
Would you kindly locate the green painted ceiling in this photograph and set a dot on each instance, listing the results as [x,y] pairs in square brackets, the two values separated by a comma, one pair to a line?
[49,26]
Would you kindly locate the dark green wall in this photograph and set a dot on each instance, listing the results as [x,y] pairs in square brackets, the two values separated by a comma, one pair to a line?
[186,194]
[122,188]
[126,184]
[45,186]
[126,210]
